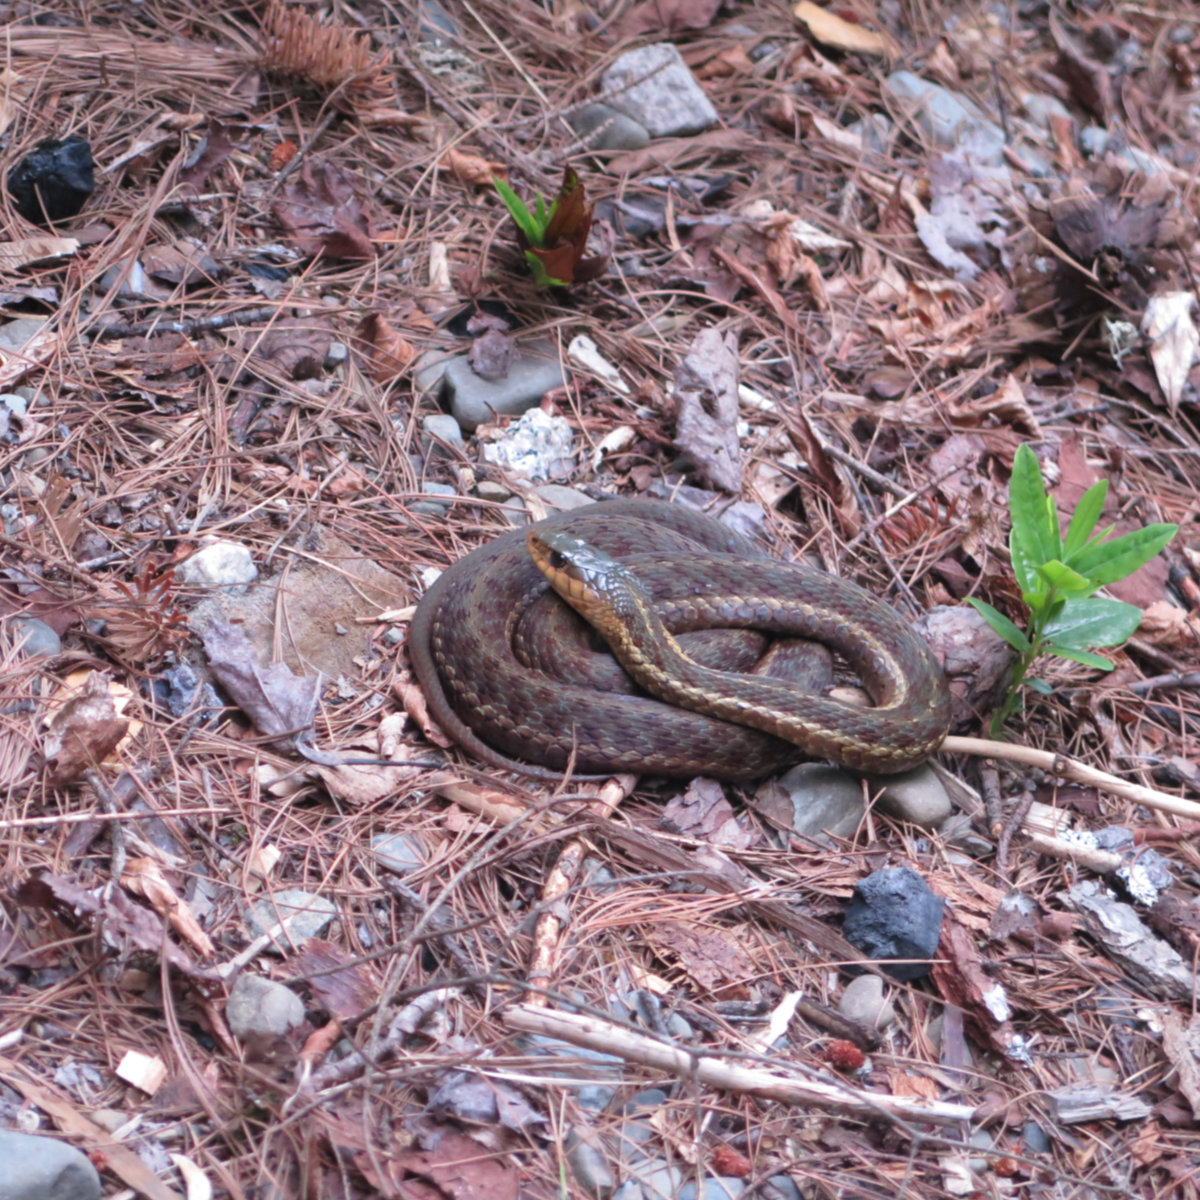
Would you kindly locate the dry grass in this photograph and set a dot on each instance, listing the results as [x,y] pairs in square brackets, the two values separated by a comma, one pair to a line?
[171,419]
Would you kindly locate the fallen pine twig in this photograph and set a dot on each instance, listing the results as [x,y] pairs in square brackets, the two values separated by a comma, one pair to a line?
[710,1070]
[1074,770]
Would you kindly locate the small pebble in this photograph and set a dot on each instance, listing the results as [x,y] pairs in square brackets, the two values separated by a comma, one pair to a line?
[261,1007]
[44,1168]
[219,564]
[399,852]
[863,1001]
[35,637]
[306,915]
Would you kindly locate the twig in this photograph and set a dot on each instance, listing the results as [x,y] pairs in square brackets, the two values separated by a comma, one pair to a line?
[1072,769]
[711,1071]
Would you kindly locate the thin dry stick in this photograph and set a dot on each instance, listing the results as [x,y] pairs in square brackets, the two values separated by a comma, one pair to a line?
[1074,770]
[711,1071]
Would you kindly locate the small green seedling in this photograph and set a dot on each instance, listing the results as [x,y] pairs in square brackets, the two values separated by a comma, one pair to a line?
[1057,577]
[554,236]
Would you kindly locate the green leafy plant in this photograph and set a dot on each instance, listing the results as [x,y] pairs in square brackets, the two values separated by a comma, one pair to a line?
[554,236]
[1058,577]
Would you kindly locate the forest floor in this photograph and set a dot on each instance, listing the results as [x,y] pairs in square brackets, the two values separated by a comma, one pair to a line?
[905,241]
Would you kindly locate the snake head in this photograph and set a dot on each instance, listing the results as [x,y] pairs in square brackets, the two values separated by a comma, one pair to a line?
[603,591]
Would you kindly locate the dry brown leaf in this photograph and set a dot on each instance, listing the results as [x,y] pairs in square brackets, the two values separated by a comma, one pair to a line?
[390,354]
[321,211]
[84,731]
[144,877]
[706,394]
[713,958]
[841,34]
[14,255]
[473,170]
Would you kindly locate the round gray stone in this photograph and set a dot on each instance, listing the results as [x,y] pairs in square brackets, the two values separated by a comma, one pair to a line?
[533,371]
[304,914]
[35,637]
[824,799]
[263,1007]
[43,1168]
[863,1001]
[399,853]
[917,796]
[589,1166]
[619,131]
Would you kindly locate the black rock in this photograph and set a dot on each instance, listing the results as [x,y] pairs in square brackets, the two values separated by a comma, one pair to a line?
[894,915]
[53,181]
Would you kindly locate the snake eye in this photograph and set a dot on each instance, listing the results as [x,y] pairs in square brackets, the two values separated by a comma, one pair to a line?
[558,559]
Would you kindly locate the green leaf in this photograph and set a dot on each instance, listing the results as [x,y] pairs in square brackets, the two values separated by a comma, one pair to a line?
[1024,564]
[1094,621]
[1054,527]
[1039,685]
[1083,520]
[525,220]
[1061,577]
[1109,561]
[543,220]
[1001,624]
[1027,507]
[540,276]
[1081,656]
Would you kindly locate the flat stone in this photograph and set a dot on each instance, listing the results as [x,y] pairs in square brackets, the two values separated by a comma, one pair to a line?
[1040,107]
[219,564]
[949,118]
[562,498]
[824,799]
[435,508]
[43,1168]
[620,132]
[863,1001]
[36,637]
[304,914]
[15,335]
[716,1188]
[399,852]
[917,796]
[654,87]
[534,371]
[444,428]
[589,1166]
[262,1007]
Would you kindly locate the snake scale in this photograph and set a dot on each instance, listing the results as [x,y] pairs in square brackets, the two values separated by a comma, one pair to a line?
[510,673]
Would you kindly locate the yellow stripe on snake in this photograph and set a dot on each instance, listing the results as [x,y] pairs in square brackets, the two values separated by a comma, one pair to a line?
[511,672]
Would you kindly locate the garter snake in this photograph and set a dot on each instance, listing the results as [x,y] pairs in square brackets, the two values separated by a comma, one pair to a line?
[665,570]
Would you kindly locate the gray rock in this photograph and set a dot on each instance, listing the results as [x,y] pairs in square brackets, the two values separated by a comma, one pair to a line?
[561,498]
[429,370]
[661,1182]
[444,428]
[863,1001]
[893,915]
[646,1100]
[917,796]
[533,372]
[1033,160]
[629,1190]
[219,564]
[1035,1138]
[304,914]
[538,447]
[35,637]
[262,1007]
[824,799]
[1093,140]
[594,1097]
[486,489]
[632,1138]
[715,1188]
[1039,108]
[589,1166]
[15,335]
[434,508]
[781,1187]
[17,405]
[948,118]
[43,1168]
[620,132]
[654,86]
[436,24]
[399,852]
[873,131]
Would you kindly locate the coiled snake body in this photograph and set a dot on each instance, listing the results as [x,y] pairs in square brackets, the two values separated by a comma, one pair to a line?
[509,673]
